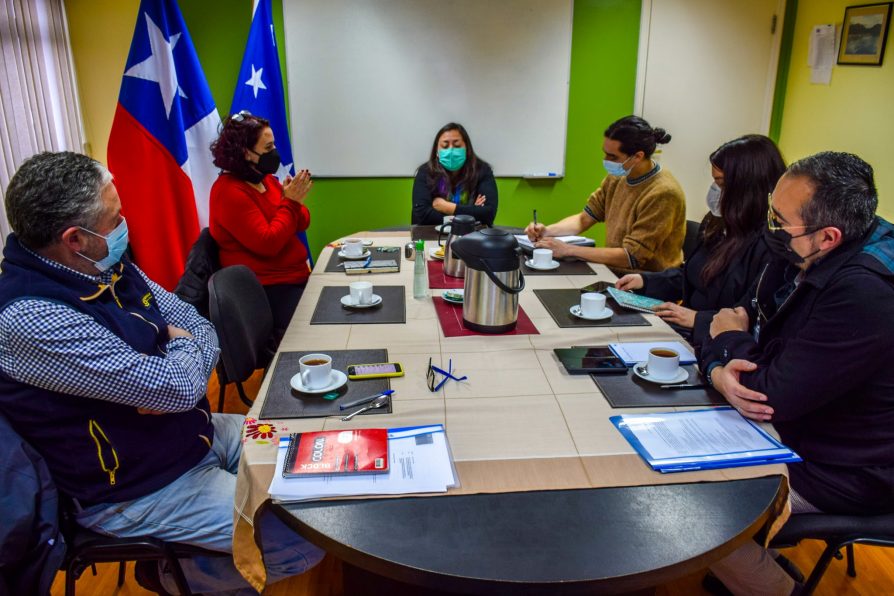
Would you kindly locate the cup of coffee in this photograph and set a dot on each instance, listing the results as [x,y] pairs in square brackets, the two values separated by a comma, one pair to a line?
[663,363]
[361,293]
[448,219]
[543,257]
[315,370]
[592,304]
[352,247]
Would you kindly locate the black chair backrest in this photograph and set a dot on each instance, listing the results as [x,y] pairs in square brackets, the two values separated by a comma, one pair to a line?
[691,239]
[241,314]
[202,262]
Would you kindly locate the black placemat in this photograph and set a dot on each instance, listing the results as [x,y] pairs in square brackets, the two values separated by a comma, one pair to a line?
[564,268]
[284,402]
[629,391]
[558,303]
[329,310]
[377,255]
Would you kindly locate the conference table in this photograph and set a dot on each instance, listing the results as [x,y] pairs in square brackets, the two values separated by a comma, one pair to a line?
[551,498]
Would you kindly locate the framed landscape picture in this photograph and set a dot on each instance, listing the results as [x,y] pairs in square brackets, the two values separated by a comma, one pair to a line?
[864,34]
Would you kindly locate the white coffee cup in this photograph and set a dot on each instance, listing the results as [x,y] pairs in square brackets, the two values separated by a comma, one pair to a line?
[352,247]
[592,304]
[663,363]
[361,293]
[543,257]
[316,370]
[447,219]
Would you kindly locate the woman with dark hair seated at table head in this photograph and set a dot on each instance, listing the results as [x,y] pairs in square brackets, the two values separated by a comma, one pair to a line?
[731,251]
[254,219]
[454,181]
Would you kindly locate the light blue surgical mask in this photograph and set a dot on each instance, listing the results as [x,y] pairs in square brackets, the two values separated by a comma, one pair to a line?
[452,158]
[713,199]
[116,242]
[614,168]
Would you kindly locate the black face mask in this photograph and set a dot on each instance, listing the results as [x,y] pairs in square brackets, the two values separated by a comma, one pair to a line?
[268,163]
[780,244]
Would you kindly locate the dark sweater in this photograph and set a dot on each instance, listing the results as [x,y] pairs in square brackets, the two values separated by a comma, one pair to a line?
[725,290]
[824,363]
[99,451]
[424,192]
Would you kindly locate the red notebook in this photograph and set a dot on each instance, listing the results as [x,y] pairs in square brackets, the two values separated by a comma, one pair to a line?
[337,452]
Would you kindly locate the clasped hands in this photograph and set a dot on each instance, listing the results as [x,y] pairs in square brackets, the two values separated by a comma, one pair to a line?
[296,189]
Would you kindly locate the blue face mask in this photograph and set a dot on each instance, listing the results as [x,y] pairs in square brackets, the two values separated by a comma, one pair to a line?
[614,168]
[452,158]
[116,242]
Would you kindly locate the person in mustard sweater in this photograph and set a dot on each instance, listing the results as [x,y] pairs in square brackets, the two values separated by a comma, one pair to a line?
[642,205]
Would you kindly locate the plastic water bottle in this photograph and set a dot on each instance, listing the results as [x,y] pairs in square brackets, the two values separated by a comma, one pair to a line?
[420,278]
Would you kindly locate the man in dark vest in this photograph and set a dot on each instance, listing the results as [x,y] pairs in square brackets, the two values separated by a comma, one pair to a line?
[104,373]
[810,350]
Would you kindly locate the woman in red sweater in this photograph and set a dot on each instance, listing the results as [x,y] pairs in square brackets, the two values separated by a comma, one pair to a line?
[254,219]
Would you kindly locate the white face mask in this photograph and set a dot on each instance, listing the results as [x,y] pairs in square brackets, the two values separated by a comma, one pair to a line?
[713,199]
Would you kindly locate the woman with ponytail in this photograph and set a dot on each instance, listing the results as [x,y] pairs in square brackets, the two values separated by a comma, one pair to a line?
[731,251]
[642,205]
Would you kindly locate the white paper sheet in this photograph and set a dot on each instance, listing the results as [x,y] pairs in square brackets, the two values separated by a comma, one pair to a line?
[634,352]
[523,240]
[821,54]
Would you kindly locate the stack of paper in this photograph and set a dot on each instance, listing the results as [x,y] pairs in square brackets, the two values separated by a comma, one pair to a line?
[524,242]
[634,352]
[701,440]
[420,462]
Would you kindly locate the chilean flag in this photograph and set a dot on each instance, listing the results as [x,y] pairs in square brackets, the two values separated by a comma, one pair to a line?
[159,145]
[259,89]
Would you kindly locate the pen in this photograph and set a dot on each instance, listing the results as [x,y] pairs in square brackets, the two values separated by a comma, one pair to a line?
[684,386]
[364,400]
[535,217]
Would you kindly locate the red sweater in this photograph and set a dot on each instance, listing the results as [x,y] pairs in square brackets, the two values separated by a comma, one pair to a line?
[258,229]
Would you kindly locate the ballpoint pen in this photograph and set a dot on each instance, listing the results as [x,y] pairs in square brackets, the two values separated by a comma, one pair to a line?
[684,386]
[535,217]
[364,400]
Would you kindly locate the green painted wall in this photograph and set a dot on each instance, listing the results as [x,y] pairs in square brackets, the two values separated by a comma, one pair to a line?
[603,74]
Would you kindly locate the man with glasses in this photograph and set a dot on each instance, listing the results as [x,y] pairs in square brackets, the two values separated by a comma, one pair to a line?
[810,350]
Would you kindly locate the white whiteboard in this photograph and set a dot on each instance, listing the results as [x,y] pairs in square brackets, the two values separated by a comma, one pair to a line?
[372,81]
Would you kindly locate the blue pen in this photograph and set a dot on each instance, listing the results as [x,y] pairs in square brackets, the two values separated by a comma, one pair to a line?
[364,400]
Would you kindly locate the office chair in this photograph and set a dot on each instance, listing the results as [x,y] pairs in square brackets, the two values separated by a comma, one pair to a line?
[241,314]
[837,531]
[85,548]
[202,262]
[690,241]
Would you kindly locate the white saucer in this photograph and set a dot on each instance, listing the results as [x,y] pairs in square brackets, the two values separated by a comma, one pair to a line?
[553,265]
[365,254]
[605,314]
[438,227]
[449,296]
[337,378]
[639,370]
[432,252]
[346,301]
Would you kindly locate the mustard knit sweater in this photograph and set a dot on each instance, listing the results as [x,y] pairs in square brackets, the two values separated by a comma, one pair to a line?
[646,218]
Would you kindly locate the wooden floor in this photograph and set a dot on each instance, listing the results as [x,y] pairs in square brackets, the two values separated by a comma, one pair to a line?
[875,565]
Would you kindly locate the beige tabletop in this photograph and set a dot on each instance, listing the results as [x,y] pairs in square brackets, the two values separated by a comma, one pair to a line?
[520,422]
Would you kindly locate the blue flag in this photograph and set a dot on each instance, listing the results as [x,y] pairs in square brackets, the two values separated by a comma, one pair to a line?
[259,89]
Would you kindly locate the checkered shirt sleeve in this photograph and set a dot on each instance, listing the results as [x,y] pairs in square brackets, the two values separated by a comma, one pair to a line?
[55,347]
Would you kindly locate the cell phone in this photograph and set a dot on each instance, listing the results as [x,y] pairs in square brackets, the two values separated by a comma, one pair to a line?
[598,286]
[375,371]
[596,360]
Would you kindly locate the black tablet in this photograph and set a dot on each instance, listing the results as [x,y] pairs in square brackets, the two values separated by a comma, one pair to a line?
[584,361]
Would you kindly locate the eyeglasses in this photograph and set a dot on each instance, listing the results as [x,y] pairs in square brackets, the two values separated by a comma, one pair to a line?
[774,225]
[240,116]
[448,374]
